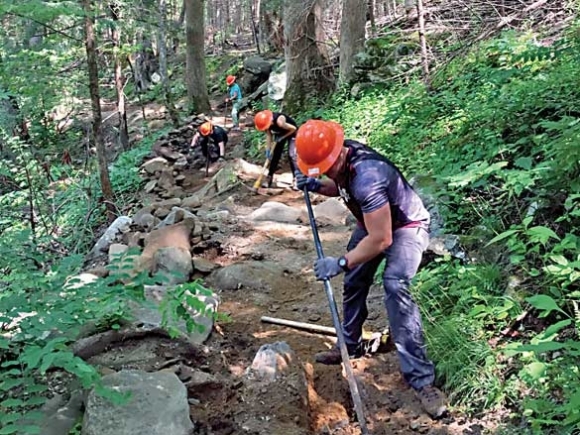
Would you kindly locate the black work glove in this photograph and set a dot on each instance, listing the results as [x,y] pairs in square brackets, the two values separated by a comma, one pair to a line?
[327,267]
[311,184]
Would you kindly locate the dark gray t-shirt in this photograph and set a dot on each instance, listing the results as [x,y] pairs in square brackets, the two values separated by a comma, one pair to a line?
[374,181]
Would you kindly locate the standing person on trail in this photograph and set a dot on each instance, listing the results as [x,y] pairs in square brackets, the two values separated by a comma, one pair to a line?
[206,132]
[281,130]
[392,225]
[235,96]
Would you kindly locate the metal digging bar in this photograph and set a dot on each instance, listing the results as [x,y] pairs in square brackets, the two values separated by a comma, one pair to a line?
[356,400]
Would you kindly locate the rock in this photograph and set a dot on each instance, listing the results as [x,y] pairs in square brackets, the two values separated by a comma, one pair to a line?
[191,202]
[80,280]
[169,203]
[333,210]
[154,165]
[150,186]
[58,415]
[100,271]
[119,225]
[116,251]
[147,221]
[177,215]
[174,263]
[275,212]
[157,405]
[247,168]
[446,244]
[224,179]
[277,83]
[151,318]
[169,154]
[195,378]
[174,192]
[257,275]
[202,265]
[179,179]
[162,212]
[180,164]
[133,239]
[171,236]
[271,361]
[166,180]
[258,66]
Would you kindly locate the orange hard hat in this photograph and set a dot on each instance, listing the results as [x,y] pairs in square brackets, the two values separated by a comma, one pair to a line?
[230,80]
[263,120]
[206,128]
[318,145]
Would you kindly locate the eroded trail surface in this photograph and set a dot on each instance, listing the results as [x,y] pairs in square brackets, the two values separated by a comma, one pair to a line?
[265,252]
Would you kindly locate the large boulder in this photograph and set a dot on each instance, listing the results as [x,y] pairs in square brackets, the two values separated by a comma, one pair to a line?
[277,83]
[172,236]
[148,316]
[157,405]
[256,71]
[257,275]
[120,225]
[275,212]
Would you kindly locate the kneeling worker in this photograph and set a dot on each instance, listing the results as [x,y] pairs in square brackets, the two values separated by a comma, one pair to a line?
[218,136]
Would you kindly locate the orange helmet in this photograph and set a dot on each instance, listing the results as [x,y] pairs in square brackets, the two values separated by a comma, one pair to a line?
[230,80]
[206,128]
[263,120]
[318,145]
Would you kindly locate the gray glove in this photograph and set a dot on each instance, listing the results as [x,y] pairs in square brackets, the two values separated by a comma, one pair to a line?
[311,184]
[327,267]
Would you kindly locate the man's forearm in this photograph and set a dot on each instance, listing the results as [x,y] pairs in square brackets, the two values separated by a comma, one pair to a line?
[328,188]
[367,249]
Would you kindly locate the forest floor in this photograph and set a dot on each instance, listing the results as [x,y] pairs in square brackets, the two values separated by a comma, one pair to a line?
[278,256]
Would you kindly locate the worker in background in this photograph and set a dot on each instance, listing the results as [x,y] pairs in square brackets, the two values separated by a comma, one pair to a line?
[235,97]
[280,130]
[217,135]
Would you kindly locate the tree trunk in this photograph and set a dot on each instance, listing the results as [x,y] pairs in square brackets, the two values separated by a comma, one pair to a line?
[96,137]
[114,10]
[372,17]
[254,27]
[423,41]
[409,6]
[162,47]
[309,73]
[195,56]
[352,36]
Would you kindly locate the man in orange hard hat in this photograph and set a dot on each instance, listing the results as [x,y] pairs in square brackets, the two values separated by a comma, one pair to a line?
[235,96]
[393,224]
[281,130]
[206,132]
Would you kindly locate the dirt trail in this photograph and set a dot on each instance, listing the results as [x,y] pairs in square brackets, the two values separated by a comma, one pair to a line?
[295,295]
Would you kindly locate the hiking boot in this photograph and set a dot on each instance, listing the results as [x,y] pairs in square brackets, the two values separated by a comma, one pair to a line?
[332,357]
[434,401]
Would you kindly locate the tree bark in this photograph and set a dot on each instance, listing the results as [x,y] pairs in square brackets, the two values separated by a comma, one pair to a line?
[114,10]
[372,16]
[309,73]
[352,36]
[423,41]
[195,56]
[96,137]
[162,47]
